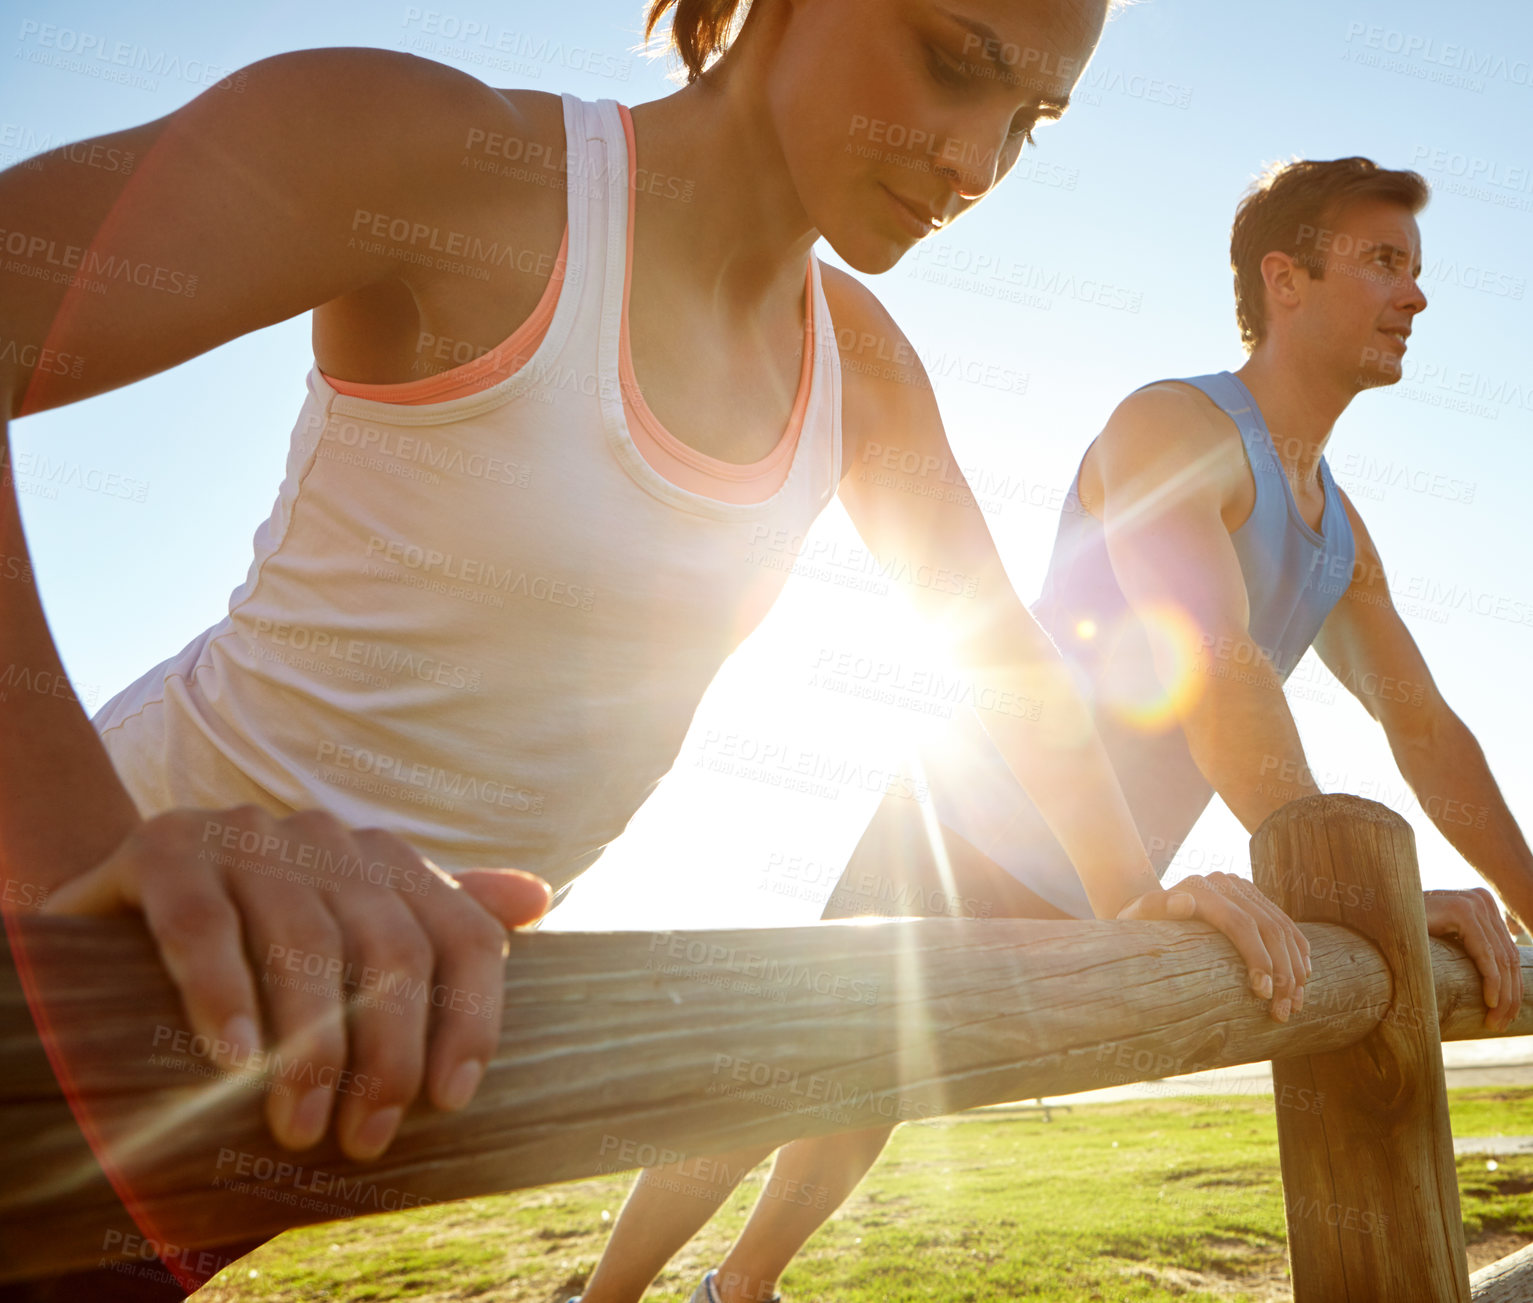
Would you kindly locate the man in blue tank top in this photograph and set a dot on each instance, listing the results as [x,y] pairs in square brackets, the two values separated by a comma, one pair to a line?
[1203,549]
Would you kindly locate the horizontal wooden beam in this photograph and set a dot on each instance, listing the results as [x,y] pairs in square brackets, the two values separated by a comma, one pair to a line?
[1507,1280]
[621,1050]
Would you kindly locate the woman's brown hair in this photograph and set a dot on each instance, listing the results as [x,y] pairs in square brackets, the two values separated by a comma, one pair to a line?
[701,30]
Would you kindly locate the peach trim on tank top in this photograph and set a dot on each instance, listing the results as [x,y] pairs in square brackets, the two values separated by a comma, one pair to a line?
[504,360]
[682,465]
[678,462]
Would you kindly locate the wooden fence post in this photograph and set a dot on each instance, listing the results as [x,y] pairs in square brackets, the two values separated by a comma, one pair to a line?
[1367,1154]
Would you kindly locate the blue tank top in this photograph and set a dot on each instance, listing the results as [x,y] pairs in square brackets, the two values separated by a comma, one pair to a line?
[1293,574]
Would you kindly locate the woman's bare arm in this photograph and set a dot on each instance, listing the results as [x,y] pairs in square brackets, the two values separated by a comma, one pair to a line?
[245,207]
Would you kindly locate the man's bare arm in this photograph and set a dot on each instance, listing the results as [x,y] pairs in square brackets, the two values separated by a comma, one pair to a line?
[1172,479]
[1368,647]
[1035,715]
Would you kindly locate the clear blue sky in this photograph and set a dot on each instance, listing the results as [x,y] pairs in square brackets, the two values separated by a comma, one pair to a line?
[1131,195]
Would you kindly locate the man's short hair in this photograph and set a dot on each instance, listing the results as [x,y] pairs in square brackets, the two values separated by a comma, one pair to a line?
[1287,209]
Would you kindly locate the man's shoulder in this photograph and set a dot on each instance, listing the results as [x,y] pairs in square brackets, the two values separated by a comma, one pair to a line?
[1171,422]
[1169,432]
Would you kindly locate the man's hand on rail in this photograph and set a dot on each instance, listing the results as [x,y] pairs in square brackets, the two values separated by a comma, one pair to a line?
[1275,952]
[1473,919]
[361,953]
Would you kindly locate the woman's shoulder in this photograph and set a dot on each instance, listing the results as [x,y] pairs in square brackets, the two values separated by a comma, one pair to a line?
[879,364]
[456,139]
[884,385]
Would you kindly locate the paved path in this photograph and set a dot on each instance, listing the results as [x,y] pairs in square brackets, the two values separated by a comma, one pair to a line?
[1493,1146]
[1504,1061]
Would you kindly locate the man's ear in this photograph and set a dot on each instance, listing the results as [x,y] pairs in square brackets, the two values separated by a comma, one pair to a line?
[1284,279]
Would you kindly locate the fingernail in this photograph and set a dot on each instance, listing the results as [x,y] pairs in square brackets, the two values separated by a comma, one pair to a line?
[310,1115]
[1181,905]
[462,1084]
[1264,985]
[1298,1000]
[243,1038]
[1282,1009]
[373,1136]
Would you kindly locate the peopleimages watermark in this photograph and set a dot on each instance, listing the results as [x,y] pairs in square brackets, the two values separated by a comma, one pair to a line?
[45,682]
[1039,69]
[1476,276]
[40,359]
[284,1181]
[24,145]
[1450,63]
[918,150]
[1478,393]
[702,960]
[1491,180]
[1363,476]
[812,1094]
[42,476]
[326,650]
[894,358]
[923,474]
[778,762]
[1006,279]
[703,1176]
[18,893]
[430,458]
[866,893]
[369,985]
[16,569]
[433,785]
[124,62]
[781,549]
[504,49]
[290,1073]
[1102,80]
[33,255]
[525,159]
[308,863]
[138,1255]
[923,689]
[449,573]
[1363,1221]
[1287,779]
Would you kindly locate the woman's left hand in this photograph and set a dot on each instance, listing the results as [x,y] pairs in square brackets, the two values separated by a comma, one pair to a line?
[1275,952]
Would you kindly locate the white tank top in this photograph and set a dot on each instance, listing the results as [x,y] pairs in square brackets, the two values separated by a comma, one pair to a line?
[484,623]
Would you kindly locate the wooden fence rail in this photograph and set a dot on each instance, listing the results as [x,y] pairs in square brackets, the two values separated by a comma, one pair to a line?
[621,1050]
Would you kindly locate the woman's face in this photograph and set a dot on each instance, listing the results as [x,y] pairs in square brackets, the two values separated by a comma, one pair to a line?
[897,115]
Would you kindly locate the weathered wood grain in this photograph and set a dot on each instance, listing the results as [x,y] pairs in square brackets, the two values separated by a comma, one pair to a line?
[1508,1280]
[624,1049]
[1369,1183]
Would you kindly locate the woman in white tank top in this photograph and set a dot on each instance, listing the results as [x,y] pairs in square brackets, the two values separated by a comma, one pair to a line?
[490,594]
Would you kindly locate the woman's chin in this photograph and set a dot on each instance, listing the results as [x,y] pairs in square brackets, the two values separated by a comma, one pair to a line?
[869,253]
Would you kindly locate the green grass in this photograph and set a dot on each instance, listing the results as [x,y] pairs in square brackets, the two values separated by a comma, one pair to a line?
[1154,1200]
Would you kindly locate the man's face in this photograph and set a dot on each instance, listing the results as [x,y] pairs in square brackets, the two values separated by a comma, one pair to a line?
[1356,319]
[894,116]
